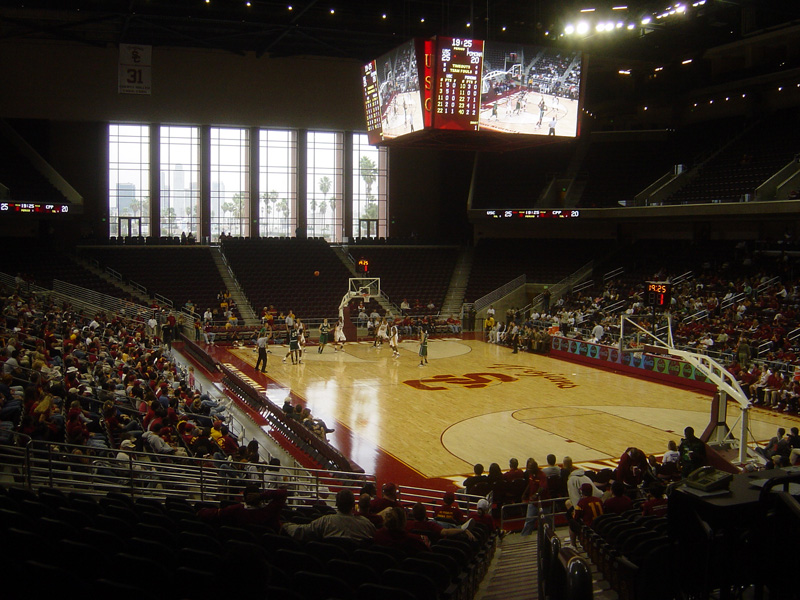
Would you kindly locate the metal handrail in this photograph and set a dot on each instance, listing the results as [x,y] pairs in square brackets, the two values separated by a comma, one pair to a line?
[97,471]
[495,295]
[613,273]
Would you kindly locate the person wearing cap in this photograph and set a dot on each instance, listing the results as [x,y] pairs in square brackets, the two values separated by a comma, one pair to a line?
[127,457]
[482,515]
[588,508]
[389,499]
[343,524]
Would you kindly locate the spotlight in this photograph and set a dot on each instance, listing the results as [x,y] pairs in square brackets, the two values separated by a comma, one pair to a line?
[569,29]
[583,28]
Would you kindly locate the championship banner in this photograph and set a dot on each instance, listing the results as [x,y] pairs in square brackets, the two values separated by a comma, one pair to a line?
[134,69]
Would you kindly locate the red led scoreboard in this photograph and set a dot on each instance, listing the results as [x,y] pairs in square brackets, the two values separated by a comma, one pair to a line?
[462,84]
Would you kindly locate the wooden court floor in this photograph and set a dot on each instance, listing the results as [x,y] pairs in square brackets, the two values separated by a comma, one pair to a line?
[478,402]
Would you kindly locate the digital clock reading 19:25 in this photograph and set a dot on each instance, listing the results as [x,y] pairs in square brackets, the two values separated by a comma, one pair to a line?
[659,294]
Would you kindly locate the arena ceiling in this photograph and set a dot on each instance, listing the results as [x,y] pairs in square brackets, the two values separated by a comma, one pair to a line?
[364,29]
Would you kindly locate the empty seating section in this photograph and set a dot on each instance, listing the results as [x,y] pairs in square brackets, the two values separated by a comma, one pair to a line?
[178,273]
[634,554]
[44,264]
[280,272]
[744,164]
[499,261]
[420,275]
[121,547]
[616,171]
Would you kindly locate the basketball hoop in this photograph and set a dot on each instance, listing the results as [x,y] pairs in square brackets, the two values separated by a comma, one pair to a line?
[365,298]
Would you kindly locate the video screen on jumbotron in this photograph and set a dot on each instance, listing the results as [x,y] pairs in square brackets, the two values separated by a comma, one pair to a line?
[392,94]
[530,90]
[497,87]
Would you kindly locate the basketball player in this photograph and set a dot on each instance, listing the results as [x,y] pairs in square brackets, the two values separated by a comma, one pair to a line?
[394,337]
[423,346]
[301,340]
[323,335]
[338,336]
[381,336]
[293,345]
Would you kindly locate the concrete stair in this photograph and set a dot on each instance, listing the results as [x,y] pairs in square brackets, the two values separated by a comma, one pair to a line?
[454,298]
[242,303]
[513,572]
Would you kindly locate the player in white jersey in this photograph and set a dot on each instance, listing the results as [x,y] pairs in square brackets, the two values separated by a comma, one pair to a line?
[338,336]
[394,338]
[382,335]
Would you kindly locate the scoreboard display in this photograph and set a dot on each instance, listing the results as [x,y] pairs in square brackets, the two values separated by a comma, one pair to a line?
[34,207]
[533,214]
[463,84]
[659,294]
[372,102]
[458,84]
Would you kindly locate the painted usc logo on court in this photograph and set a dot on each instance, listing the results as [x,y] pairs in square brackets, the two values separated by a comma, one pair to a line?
[482,380]
[468,380]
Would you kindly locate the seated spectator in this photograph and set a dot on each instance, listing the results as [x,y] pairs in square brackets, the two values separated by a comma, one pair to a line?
[482,515]
[514,472]
[259,508]
[656,503]
[671,455]
[394,533]
[422,526]
[449,511]
[156,442]
[378,505]
[495,477]
[619,502]
[472,482]
[364,510]
[226,442]
[344,523]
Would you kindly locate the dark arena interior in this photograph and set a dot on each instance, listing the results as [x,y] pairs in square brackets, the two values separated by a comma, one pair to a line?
[447,300]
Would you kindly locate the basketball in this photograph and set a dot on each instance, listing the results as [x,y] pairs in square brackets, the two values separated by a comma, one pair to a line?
[316,273]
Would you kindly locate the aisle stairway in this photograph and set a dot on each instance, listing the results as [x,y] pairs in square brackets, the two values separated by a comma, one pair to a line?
[235,290]
[458,283]
[513,572]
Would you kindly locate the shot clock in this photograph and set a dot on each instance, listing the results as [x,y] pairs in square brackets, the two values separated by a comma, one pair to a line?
[659,294]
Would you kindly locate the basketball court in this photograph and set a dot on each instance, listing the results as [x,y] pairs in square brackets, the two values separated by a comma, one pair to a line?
[478,402]
[506,118]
